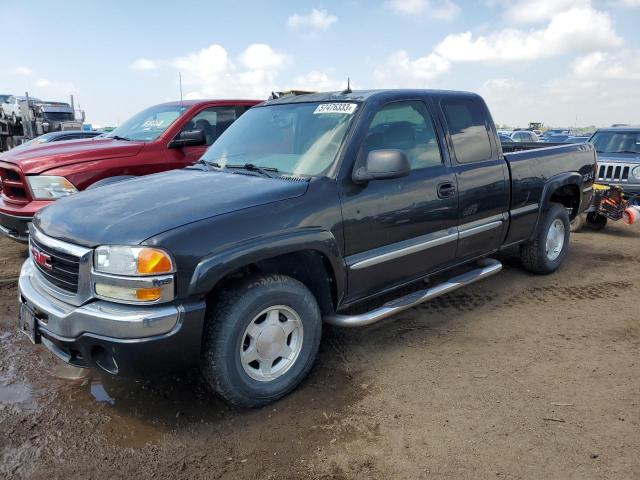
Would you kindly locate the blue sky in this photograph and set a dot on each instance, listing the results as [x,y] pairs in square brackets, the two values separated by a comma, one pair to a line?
[560,61]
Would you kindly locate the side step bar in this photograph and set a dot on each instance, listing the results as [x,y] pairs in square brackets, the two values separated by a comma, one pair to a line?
[487,267]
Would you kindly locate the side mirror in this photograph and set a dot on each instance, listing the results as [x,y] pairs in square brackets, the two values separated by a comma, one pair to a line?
[383,164]
[189,138]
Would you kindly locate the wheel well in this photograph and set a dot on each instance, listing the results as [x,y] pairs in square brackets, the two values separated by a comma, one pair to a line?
[569,196]
[309,267]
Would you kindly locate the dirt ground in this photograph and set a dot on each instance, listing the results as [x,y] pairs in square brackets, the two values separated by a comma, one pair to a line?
[515,377]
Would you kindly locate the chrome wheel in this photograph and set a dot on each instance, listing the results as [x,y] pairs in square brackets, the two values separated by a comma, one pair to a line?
[271,343]
[555,239]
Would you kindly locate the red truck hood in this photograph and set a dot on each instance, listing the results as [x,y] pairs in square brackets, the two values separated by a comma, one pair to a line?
[40,158]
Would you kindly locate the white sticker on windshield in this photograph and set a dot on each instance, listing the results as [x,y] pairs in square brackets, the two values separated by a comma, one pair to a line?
[343,108]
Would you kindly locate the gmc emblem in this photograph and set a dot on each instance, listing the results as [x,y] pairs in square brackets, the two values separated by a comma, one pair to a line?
[41,258]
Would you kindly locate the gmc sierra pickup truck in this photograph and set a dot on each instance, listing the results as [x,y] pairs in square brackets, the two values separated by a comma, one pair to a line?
[307,209]
[162,137]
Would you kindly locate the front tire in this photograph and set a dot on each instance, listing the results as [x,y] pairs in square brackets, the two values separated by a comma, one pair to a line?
[546,251]
[261,339]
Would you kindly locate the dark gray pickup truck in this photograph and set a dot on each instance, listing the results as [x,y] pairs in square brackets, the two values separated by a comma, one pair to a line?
[306,210]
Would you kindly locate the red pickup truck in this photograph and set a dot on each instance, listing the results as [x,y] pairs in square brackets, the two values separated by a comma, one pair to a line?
[163,137]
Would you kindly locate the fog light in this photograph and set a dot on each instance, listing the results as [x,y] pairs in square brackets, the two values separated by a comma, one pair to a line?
[129,294]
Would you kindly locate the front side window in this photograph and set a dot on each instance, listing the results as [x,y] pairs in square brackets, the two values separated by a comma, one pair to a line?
[616,142]
[149,124]
[466,121]
[295,138]
[213,121]
[405,126]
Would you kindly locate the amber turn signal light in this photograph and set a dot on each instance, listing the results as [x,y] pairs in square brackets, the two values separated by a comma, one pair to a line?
[151,261]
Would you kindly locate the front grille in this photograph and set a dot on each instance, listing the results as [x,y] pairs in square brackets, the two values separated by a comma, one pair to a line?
[613,172]
[13,184]
[64,267]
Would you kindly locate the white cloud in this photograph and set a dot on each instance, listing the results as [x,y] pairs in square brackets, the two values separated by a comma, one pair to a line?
[623,65]
[401,71]
[42,83]
[22,70]
[210,72]
[143,64]
[317,20]
[439,9]
[318,81]
[260,56]
[629,3]
[205,63]
[445,10]
[576,30]
[534,11]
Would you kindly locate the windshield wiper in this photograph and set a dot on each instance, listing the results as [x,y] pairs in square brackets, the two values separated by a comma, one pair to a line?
[254,168]
[207,165]
[620,151]
[118,137]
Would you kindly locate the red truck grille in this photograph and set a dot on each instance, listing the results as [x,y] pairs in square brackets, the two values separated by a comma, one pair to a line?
[14,188]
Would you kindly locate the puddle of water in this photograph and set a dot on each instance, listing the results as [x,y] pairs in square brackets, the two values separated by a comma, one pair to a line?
[100,394]
[15,394]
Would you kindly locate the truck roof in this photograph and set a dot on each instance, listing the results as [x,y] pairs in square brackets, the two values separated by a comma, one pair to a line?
[362,95]
[621,128]
[191,103]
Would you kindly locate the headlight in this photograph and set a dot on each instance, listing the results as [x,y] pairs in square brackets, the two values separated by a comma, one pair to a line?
[636,172]
[133,274]
[121,260]
[46,187]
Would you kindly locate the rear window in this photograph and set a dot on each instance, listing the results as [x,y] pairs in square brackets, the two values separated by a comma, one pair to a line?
[466,121]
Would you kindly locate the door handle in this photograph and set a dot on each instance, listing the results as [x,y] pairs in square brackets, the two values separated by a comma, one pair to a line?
[446,190]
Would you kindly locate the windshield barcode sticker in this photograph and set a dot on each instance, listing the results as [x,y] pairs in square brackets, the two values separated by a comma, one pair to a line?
[344,108]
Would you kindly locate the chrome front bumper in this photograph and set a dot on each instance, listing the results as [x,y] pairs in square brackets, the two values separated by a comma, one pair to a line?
[99,317]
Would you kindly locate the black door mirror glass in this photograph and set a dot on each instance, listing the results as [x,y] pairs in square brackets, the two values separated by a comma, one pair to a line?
[382,165]
[189,138]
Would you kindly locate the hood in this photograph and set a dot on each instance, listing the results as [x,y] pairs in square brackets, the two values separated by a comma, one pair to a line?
[45,156]
[133,210]
[619,157]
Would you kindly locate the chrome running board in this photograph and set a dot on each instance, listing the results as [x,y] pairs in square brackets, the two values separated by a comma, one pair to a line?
[487,267]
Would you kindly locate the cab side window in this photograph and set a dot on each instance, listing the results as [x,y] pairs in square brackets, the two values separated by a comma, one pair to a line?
[405,126]
[213,121]
[468,129]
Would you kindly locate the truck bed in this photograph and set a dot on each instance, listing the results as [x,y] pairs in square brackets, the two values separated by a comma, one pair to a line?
[534,170]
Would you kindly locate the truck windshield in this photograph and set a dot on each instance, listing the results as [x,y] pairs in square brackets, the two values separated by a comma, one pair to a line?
[58,116]
[297,138]
[616,142]
[149,124]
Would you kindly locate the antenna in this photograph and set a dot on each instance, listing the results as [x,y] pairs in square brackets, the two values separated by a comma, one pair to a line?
[348,89]
[180,81]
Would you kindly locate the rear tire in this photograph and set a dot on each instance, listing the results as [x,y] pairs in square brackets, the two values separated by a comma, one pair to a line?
[595,221]
[261,339]
[546,251]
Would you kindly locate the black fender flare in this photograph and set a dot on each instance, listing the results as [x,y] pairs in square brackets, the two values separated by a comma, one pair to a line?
[214,267]
[109,181]
[555,182]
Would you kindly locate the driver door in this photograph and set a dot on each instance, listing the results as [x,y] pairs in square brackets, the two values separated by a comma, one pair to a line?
[213,121]
[397,230]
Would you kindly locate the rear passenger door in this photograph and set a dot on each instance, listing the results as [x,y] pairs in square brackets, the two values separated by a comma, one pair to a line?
[400,229]
[481,173]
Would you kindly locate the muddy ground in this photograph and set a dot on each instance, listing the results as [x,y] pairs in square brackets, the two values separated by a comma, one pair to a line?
[515,377]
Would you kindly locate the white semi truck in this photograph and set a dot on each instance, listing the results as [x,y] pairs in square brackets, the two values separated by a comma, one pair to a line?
[33,118]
